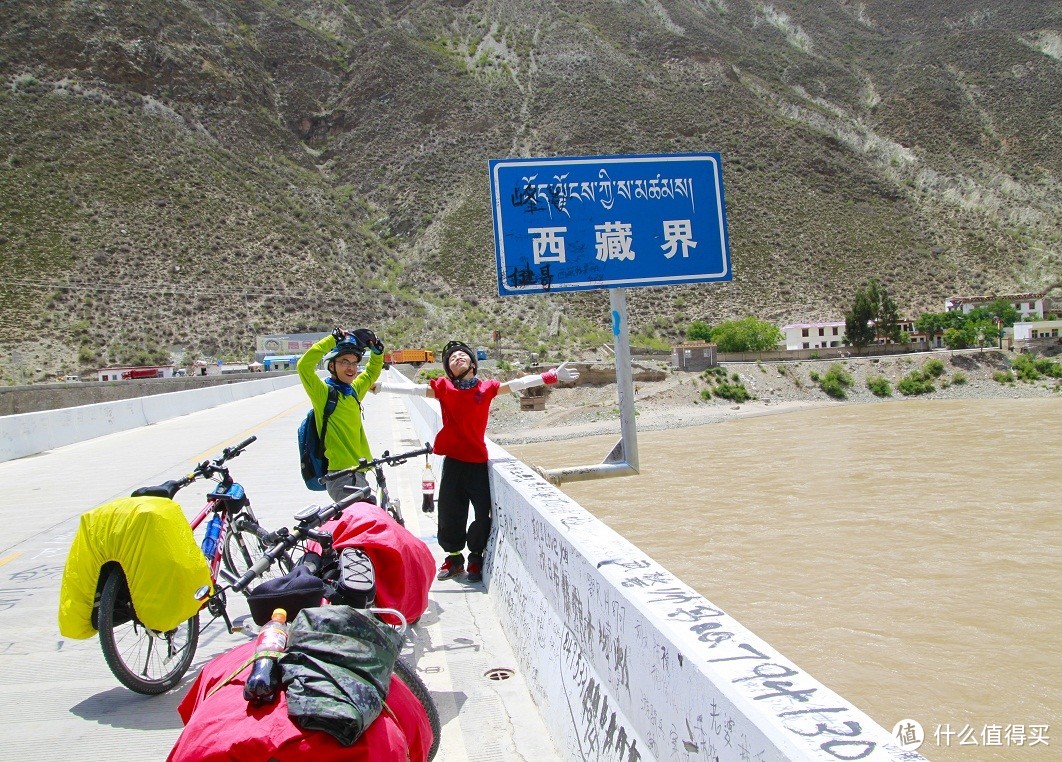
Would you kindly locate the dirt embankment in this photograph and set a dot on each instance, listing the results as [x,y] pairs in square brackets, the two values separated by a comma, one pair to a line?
[666,399]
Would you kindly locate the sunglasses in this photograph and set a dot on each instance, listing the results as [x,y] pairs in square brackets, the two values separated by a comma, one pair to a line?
[347,363]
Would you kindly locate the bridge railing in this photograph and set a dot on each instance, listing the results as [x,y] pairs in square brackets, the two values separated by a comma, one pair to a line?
[627,662]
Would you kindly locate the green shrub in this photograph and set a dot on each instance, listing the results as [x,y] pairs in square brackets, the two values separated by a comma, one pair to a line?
[914,383]
[835,383]
[879,386]
[1029,369]
[833,388]
[430,373]
[733,392]
[959,378]
[933,368]
[1003,376]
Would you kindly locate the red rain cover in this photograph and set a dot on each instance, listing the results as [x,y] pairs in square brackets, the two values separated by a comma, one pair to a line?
[404,565]
[223,726]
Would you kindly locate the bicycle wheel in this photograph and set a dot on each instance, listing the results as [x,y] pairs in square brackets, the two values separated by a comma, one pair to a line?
[243,549]
[409,676]
[143,660]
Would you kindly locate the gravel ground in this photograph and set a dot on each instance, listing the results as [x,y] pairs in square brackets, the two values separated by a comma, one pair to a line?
[589,409]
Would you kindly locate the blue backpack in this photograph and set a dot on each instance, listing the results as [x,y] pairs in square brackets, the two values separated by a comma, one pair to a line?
[312,458]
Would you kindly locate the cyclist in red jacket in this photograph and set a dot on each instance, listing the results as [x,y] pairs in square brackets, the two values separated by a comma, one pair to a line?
[465,400]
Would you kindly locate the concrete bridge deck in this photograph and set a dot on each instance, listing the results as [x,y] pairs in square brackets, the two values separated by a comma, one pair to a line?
[60,699]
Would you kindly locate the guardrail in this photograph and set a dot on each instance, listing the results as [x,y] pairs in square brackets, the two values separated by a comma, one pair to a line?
[627,662]
[25,434]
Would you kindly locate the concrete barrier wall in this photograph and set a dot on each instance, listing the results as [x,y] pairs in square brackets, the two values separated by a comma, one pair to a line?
[29,433]
[625,661]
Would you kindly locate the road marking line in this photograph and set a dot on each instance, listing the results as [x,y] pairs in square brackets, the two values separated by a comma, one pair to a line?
[9,559]
[209,454]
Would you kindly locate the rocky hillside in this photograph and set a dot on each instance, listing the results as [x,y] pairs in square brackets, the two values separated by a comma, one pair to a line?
[177,178]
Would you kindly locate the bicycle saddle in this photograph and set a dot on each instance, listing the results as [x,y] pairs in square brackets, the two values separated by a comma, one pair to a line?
[166,489]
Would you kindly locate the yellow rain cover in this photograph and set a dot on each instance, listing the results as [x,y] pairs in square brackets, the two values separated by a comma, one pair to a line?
[151,539]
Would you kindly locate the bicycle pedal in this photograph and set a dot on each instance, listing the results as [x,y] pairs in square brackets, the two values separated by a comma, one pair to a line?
[357,578]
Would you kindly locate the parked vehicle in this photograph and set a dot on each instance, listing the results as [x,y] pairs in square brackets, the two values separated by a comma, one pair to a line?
[136,373]
[412,356]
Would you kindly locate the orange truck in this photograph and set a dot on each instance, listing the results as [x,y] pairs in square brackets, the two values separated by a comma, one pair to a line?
[412,356]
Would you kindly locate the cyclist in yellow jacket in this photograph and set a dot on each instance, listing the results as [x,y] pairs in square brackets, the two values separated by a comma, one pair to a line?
[345,442]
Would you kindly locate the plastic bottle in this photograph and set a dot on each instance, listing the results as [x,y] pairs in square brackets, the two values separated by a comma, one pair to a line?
[427,486]
[210,542]
[261,687]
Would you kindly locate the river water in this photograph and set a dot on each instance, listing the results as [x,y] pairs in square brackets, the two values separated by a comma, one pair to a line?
[906,554]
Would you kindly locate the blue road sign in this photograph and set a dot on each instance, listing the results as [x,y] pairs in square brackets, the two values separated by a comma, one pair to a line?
[594,222]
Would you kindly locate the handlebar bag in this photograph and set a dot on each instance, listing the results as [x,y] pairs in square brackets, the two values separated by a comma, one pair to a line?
[298,589]
[152,541]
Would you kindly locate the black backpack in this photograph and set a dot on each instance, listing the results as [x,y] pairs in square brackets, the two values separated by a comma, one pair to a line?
[312,458]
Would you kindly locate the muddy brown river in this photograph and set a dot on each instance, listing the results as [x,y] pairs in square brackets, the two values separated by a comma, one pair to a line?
[906,554]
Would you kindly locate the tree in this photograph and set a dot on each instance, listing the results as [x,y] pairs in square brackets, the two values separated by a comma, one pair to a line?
[987,333]
[874,313]
[932,323]
[888,319]
[746,335]
[859,321]
[957,338]
[1004,311]
[699,331]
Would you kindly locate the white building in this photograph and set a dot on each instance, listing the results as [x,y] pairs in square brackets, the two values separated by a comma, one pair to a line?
[284,344]
[813,335]
[1029,305]
[1029,334]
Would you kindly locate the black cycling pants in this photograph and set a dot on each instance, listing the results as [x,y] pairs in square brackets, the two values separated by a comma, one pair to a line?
[463,483]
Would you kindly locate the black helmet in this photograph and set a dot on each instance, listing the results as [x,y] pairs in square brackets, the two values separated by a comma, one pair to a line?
[458,346]
[346,347]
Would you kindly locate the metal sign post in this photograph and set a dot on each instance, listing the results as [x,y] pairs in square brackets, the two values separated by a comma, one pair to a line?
[587,223]
[623,459]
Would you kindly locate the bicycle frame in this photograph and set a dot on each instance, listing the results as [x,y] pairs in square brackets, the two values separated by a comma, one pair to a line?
[376,466]
[217,504]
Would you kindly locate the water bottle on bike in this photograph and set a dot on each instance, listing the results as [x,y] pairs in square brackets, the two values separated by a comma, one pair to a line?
[210,542]
[261,687]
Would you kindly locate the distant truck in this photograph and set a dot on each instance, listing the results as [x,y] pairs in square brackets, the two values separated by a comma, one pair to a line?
[135,373]
[481,353]
[411,356]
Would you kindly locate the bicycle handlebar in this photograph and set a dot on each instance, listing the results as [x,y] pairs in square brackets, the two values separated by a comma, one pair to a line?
[385,459]
[210,467]
[289,539]
[231,452]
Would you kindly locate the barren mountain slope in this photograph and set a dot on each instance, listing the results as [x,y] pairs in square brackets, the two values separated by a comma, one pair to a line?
[182,177]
